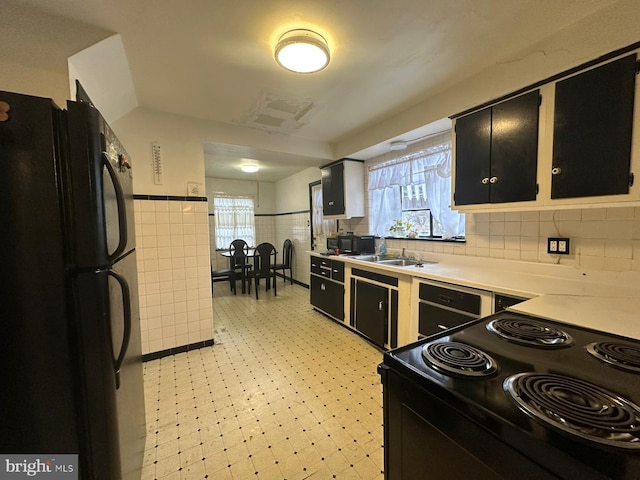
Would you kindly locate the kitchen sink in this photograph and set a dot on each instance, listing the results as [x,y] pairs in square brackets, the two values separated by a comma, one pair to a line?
[400,262]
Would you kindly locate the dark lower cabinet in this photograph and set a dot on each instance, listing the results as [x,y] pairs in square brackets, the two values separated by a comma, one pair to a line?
[328,296]
[501,302]
[593,120]
[372,311]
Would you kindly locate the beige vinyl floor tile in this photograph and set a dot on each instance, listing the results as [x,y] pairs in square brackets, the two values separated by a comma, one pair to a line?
[284,393]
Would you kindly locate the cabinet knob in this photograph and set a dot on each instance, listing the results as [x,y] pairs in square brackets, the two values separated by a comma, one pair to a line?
[556,171]
[331,202]
[323,287]
[493,180]
[485,180]
[380,306]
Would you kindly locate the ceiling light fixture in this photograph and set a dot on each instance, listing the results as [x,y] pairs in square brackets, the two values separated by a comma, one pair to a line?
[398,145]
[302,51]
[249,168]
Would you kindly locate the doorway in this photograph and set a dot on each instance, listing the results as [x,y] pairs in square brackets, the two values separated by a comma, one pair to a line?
[320,228]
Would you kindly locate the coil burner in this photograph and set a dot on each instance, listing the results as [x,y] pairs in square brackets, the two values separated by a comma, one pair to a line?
[620,355]
[578,408]
[458,359]
[530,332]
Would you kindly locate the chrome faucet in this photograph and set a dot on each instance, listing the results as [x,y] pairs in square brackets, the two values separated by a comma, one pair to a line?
[402,256]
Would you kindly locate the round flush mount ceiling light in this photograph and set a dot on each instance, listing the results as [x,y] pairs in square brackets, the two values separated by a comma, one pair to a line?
[398,145]
[249,168]
[302,51]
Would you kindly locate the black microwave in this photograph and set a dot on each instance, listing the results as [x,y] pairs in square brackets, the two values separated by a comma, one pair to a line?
[354,244]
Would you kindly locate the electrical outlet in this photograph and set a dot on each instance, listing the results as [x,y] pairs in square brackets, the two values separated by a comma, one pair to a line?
[558,246]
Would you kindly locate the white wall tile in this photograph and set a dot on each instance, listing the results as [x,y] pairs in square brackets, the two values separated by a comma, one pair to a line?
[173,272]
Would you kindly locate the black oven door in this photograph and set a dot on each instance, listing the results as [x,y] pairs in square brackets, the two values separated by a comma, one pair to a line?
[424,438]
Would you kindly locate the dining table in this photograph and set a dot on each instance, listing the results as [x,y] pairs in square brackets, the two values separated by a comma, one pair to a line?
[249,255]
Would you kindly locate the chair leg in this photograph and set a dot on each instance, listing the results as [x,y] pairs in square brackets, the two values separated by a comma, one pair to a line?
[256,285]
[275,287]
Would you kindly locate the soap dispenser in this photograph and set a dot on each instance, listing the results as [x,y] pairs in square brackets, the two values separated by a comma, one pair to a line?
[382,247]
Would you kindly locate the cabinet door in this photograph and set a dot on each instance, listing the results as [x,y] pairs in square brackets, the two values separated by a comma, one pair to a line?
[333,190]
[592,131]
[327,296]
[473,154]
[497,152]
[334,294]
[372,311]
[434,320]
[514,149]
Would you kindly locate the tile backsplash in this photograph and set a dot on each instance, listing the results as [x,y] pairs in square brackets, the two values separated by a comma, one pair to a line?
[174,278]
[601,238]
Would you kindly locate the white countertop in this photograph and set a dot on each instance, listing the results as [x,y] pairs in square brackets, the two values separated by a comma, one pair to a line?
[607,301]
[613,314]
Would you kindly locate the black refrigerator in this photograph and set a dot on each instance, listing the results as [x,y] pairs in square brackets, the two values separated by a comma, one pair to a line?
[70,348]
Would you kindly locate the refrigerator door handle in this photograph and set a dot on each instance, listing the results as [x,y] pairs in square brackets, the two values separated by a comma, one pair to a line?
[122,212]
[126,310]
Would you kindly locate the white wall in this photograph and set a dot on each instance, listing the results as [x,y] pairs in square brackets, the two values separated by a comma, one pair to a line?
[607,30]
[292,193]
[292,198]
[181,142]
[264,203]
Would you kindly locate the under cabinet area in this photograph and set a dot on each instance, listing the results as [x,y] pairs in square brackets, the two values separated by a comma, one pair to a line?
[327,287]
[343,189]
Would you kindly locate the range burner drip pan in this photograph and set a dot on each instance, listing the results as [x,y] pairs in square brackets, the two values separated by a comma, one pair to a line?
[459,359]
[530,332]
[578,408]
[620,355]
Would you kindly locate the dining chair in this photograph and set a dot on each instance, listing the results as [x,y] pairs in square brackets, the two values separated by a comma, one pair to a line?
[224,274]
[287,256]
[238,261]
[262,268]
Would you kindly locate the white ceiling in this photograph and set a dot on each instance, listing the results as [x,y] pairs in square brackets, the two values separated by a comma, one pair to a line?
[212,59]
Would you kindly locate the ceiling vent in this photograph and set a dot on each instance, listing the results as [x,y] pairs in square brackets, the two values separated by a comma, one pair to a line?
[277,114]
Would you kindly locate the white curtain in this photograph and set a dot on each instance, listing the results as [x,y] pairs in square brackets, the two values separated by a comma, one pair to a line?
[431,167]
[234,219]
[321,227]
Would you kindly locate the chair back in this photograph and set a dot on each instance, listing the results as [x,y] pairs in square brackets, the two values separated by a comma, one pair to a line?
[287,253]
[239,250]
[262,259]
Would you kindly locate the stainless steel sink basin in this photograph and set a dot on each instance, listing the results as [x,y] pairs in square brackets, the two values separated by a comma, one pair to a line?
[400,262]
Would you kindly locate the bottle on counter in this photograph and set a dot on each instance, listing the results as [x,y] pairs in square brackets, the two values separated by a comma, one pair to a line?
[382,247]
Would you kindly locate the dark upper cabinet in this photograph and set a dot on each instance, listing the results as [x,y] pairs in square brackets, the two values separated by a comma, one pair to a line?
[473,158]
[592,131]
[333,189]
[497,152]
[343,189]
